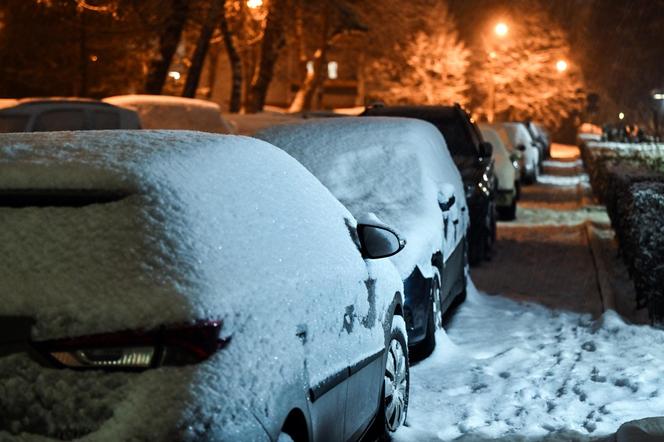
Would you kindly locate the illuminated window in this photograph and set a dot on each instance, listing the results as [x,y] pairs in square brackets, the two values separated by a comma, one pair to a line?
[332,68]
[310,67]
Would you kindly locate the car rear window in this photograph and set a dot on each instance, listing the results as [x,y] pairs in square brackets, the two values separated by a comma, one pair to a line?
[13,123]
[60,120]
[105,120]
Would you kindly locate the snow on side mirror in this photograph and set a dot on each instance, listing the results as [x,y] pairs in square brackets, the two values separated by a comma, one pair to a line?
[446,198]
[378,241]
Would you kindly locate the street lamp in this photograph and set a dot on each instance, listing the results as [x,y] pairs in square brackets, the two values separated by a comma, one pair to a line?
[561,66]
[621,116]
[501,29]
[254,4]
[658,96]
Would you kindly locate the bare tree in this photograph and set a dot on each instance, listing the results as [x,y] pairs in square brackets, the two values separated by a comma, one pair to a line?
[271,44]
[210,22]
[168,43]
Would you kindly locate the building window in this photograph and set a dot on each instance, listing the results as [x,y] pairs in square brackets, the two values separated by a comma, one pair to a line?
[332,68]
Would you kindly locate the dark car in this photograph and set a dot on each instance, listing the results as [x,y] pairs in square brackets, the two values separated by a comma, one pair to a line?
[472,156]
[59,114]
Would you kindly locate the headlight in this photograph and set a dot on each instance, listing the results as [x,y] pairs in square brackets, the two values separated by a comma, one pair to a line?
[136,350]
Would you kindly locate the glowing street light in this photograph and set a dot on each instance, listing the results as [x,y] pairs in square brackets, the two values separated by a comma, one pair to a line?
[658,96]
[621,116]
[175,75]
[254,4]
[501,29]
[561,66]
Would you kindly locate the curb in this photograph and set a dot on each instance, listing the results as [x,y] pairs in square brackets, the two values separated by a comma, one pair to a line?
[606,292]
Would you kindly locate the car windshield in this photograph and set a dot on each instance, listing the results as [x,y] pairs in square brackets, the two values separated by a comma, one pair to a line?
[13,123]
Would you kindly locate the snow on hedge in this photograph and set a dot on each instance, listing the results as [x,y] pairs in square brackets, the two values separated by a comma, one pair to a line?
[518,371]
[169,112]
[393,167]
[214,227]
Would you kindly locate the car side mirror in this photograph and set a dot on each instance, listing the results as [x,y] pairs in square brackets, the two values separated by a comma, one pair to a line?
[486,149]
[446,205]
[521,147]
[378,241]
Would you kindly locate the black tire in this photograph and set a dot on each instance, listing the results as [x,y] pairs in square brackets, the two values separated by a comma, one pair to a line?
[381,428]
[476,246]
[507,213]
[426,346]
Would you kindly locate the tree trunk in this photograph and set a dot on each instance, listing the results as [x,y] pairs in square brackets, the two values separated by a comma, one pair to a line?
[213,63]
[201,50]
[273,41]
[168,44]
[236,65]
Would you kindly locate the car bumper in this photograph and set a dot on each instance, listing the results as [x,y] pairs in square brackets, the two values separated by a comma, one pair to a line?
[505,197]
[179,403]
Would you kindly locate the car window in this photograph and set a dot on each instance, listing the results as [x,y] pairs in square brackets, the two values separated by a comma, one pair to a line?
[457,138]
[60,120]
[105,120]
[13,123]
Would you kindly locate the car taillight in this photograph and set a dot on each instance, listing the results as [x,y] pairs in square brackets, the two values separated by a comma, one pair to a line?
[136,350]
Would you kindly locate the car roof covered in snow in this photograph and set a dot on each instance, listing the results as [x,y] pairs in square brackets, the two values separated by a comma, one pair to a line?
[196,226]
[170,112]
[393,167]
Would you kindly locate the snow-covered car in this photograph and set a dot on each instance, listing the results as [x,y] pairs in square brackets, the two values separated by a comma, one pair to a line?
[161,286]
[507,174]
[168,112]
[59,114]
[400,170]
[515,136]
[472,156]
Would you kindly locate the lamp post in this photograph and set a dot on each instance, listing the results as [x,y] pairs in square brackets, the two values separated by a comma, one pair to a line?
[561,66]
[500,30]
[658,97]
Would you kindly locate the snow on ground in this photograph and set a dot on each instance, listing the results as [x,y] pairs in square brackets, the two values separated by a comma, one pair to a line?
[518,371]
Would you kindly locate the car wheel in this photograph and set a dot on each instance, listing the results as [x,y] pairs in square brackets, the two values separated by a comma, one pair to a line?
[435,320]
[476,245]
[508,213]
[490,232]
[396,384]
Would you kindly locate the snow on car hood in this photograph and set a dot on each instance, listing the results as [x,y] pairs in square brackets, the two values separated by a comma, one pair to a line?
[393,167]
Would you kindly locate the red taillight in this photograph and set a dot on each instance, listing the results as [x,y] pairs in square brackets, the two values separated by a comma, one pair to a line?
[136,350]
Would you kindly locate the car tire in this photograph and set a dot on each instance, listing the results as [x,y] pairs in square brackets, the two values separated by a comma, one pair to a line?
[425,348]
[507,213]
[490,232]
[396,387]
[476,246]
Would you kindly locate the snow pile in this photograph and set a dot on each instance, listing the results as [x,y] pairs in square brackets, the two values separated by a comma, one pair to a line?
[213,227]
[393,167]
[168,112]
[519,371]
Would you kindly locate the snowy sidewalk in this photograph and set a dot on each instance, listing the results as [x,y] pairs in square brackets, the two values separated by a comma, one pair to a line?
[538,360]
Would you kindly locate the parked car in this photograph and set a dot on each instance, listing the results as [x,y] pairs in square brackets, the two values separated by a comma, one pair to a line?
[541,139]
[515,136]
[168,112]
[58,114]
[472,156]
[507,173]
[399,170]
[185,286]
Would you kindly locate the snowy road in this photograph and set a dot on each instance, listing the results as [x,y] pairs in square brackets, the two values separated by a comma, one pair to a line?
[540,362]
